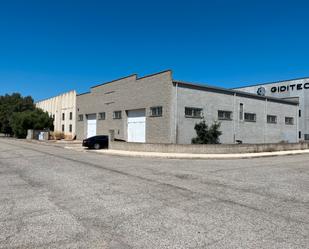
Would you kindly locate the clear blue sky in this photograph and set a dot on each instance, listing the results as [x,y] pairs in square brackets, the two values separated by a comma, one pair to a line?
[48,47]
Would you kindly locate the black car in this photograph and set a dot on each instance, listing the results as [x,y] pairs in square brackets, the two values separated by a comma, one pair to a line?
[96,142]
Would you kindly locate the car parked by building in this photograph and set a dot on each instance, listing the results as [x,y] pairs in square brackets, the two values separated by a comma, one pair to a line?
[96,142]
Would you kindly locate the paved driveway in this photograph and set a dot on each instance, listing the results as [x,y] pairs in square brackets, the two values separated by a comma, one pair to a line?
[56,198]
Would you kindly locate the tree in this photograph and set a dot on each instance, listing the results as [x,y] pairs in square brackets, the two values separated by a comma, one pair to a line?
[207,135]
[10,104]
[35,119]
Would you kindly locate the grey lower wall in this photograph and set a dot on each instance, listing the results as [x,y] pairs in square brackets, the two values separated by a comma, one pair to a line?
[207,148]
[298,90]
[235,129]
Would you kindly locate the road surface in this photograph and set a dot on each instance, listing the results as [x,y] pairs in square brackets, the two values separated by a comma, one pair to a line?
[51,197]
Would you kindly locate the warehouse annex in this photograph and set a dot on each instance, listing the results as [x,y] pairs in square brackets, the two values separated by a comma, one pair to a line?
[159,109]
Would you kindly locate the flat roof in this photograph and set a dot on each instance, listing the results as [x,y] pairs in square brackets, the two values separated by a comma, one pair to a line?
[232,92]
[272,82]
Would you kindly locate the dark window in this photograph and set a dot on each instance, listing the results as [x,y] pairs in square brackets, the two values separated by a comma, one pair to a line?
[71,115]
[62,128]
[80,117]
[102,116]
[156,111]
[117,115]
[70,128]
[191,112]
[63,116]
[271,119]
[299,113]
[299,134]
[289,120]
[306,136]
[241,111]
[224,115]
[250,117]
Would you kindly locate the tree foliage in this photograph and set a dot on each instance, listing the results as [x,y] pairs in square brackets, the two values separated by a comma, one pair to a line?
[207,135]
[36,120]
[18,114]
[10,104]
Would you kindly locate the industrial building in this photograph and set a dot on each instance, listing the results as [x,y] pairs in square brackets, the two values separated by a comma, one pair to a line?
[158,109]
[62,109]
[294,89]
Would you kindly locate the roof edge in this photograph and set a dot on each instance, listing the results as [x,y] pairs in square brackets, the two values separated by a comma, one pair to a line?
[122,78]
[272,82]
[55,96]
[232,92]
[132,75]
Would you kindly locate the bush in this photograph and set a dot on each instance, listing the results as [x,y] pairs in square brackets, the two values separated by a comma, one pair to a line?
[207,135]
[10,104]
[57,135]
[37,119]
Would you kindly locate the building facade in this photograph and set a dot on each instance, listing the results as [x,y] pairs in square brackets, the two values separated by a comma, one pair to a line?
[159,109]
[62,109]
[295,89]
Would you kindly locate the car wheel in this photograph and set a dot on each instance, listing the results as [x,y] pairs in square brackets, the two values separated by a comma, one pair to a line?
[97,146]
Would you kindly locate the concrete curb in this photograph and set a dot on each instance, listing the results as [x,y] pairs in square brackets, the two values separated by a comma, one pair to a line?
[192,156]
[77,147]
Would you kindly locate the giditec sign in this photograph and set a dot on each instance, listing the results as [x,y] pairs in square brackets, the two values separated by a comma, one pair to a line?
[292,87]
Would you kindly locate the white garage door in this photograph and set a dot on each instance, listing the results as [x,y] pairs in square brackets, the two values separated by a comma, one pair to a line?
[91,125]
[137,126]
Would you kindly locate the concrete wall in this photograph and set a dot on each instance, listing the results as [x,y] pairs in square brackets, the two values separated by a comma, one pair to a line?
[56,106]
[292,93]
[207,149]
[248,132]
[125,94]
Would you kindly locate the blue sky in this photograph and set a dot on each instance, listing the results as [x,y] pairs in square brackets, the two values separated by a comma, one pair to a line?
[48,47]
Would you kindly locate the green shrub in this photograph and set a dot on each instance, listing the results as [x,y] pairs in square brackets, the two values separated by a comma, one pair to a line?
[35,119]
[207,135]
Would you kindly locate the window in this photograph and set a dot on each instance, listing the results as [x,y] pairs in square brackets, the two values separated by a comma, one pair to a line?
[224,115]
[62,128]
[156,111]
[193,112]
[70,128]
[299,113]
[299,134]
[271,119]
[102,116]
[71,115]
[117,115]
[250,117]
[80,117]
[306,136]
[289,120]
[241,111]
[63,116]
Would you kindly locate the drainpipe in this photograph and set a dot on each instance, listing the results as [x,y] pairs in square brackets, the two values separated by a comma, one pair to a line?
[297,123]
[265,117]
[176,114]
[234,118]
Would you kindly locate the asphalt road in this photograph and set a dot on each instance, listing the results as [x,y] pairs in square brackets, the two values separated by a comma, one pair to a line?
[56,198]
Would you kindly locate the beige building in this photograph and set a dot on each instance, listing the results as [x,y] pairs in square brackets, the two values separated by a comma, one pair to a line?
[62,109]
[159,109]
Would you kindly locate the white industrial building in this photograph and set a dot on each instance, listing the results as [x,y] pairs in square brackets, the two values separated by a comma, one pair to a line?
[62,109]
[295,90]
[159,109]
